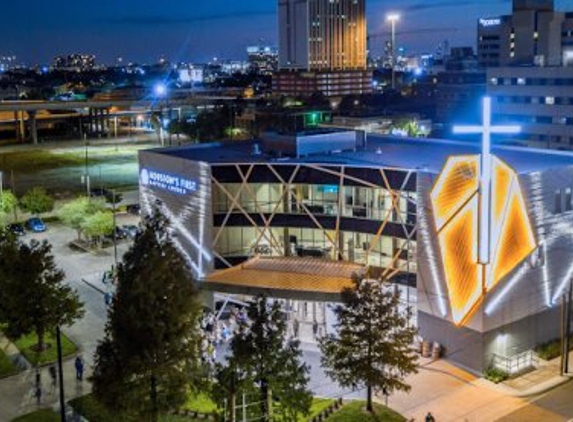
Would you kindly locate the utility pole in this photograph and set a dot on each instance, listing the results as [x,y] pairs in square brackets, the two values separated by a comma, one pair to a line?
[61,375]
[87,168]
[114,229]
[393,18]
[568,299]
[1,191]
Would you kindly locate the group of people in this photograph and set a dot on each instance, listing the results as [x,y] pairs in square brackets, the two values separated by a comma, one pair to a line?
[53,372]
[218,332]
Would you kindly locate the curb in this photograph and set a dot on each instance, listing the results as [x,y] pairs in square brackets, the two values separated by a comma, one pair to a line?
[541,388]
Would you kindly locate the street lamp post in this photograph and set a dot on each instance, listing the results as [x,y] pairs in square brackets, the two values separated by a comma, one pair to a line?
[114,228]
[87,168]
[61,373]
[393,18]
[161,94]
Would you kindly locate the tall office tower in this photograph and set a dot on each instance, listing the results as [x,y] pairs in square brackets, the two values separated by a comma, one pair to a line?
[322,47]
[534,34]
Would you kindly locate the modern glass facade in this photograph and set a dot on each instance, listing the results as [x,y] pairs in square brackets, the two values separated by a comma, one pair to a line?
[358,218]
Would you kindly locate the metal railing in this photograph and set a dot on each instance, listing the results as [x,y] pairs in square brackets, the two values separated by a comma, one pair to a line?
[516,364]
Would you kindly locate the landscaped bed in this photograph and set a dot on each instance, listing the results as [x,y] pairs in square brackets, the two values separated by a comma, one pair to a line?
[26,345]
[90,409]
[356,411]
[7,368]
[43,415]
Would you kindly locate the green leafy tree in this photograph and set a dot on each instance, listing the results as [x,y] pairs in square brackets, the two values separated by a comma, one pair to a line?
[270,363]
[98,225]
[75,213]
[8,204]
[149,359]
[409,127]
[373,343]
[37,201]
[33,295]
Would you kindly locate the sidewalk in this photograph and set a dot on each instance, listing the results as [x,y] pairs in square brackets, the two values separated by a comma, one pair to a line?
[536,382]
[17,392]
[451,394]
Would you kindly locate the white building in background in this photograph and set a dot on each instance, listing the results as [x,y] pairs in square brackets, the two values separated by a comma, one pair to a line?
[540,99]
[534,34]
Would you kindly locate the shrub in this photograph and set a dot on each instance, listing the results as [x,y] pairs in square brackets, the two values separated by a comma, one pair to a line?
[495,375]
[551,349]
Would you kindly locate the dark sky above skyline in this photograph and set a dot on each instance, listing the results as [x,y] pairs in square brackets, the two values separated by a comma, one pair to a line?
[197,30]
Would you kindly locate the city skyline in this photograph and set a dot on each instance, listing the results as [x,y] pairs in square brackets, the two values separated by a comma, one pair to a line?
[198,33]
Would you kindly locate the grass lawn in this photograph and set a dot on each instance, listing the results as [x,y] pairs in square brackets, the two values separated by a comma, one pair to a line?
[26,343]
[94,412]
[354,411]
[318,405]
[7,368]
[200,403]
[44,415]
[34,160]
[90,409]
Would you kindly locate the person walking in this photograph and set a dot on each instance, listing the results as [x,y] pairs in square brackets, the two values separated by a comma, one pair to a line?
[79,364]
[107,297]
[295,328]
[315,329]
[53,375]
[38,388]
[430,417]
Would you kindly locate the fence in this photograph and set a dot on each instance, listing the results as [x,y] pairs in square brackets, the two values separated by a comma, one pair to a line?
[516,364]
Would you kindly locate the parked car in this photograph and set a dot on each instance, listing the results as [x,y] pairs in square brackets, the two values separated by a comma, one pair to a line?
[134,209]
[36,225]
[17,229]
[120,233]
[131,230]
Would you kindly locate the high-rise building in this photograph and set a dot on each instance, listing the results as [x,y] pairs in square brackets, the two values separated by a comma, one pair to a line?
[534,34]
[322,47]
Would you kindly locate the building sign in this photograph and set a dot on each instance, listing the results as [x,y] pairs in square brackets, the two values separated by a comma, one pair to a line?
[167,182]
[486,23]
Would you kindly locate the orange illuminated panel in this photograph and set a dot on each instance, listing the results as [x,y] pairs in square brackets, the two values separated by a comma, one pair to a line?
[456,184]
[456,201]
[502,179]
[458,241]
[515,239]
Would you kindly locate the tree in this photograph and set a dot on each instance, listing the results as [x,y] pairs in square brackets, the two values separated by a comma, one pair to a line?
[270,362]
[37,201]
[373,343]
[98,224]
[150,357]
[75,213]
[8,204]
[34,298]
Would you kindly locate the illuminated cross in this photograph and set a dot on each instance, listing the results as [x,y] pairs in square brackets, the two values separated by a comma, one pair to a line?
[486,130]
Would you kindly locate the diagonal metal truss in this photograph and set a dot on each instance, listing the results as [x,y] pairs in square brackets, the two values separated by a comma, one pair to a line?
[265,233]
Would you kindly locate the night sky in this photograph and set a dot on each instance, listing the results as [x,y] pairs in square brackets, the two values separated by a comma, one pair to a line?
[188,30]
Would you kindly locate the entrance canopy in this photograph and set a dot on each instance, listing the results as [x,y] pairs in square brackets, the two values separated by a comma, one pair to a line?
[289,278]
